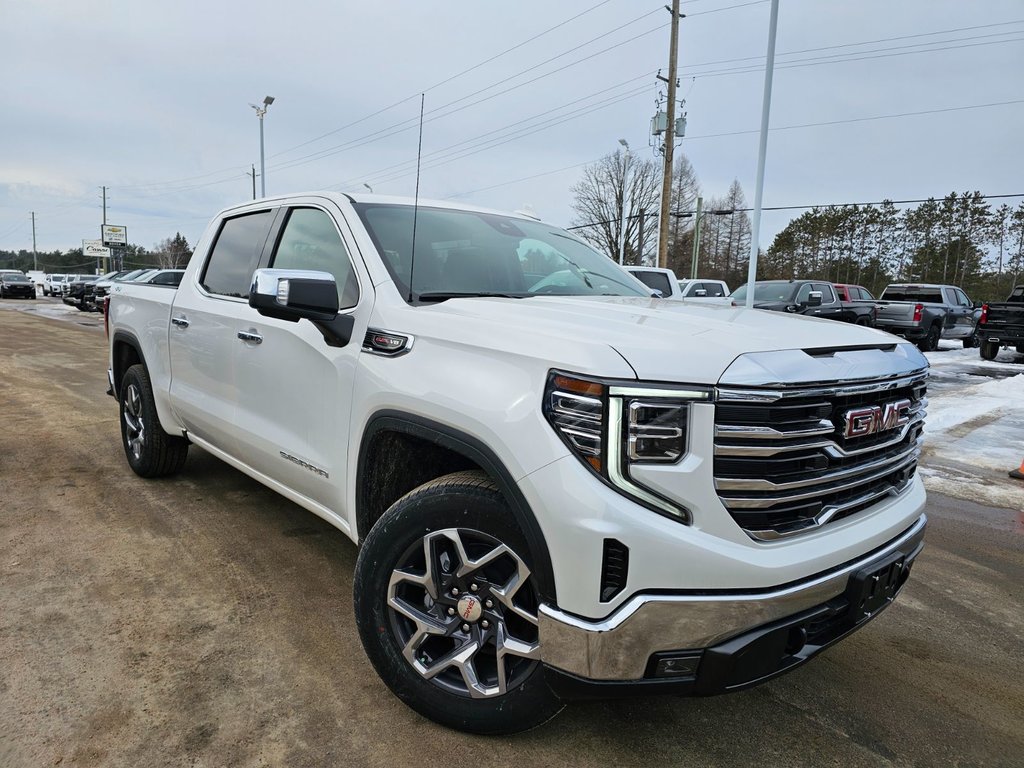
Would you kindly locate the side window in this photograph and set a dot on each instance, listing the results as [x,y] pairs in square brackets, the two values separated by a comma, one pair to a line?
[655,280]
[961,298]
[236,254]
[828,296]
[865,294]
[311,241]
[949,296]
[713,289]
[803,294]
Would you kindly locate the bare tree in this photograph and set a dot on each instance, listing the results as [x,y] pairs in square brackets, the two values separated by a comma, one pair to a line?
[172,252]
[598,203]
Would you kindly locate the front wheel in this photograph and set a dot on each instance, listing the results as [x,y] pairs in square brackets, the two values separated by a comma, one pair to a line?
[150,451]
[447,608]
[989,350]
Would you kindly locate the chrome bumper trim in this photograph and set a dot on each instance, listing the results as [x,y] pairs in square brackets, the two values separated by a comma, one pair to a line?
[619,646]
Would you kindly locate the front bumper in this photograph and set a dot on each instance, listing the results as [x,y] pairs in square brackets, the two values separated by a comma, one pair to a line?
[721,641]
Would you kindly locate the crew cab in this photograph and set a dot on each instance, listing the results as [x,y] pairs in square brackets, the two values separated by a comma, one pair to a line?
[816,298]
[1002,324]
[560,486]
[925,313]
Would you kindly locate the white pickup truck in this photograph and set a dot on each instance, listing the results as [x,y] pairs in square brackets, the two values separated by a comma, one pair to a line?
[561,486]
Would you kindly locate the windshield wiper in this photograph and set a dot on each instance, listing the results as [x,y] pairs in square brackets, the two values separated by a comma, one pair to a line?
[445,295]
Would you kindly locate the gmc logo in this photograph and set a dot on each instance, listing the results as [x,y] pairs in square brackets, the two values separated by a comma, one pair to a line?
[861,422]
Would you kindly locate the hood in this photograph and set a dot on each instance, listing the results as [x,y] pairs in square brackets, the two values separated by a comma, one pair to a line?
[660,339]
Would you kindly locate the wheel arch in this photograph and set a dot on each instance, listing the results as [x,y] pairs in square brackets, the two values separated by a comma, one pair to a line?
[125,351]
[451,450]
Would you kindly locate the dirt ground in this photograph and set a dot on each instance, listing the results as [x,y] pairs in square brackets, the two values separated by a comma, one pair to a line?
[205,621]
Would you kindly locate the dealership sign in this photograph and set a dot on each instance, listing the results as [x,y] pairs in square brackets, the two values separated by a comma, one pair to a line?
[95,249]
[114,236]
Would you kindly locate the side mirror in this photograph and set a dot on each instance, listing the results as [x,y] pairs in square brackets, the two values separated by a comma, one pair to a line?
[700,292]
[813,299]
[297,294]
[657,294]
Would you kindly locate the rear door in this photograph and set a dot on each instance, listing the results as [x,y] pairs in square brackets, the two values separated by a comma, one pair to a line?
[959,320]
[208,309]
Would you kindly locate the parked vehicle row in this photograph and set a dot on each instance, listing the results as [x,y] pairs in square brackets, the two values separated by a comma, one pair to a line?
[815,298]
[87,293]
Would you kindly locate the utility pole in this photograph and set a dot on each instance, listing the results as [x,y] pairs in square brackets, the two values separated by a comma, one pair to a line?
[253,174]
[35,257]
[104,205]
[640,238]
[670,137]
[696,240]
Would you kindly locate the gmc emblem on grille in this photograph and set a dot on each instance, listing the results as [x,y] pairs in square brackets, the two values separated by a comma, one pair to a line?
[861,422]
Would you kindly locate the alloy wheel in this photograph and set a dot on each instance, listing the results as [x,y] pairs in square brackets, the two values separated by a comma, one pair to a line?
[464,610]
[133,420]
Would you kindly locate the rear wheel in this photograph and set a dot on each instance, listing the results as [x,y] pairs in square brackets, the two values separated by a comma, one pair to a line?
[989,350]
[448,611]
[930,342]
[150,451]
[973,340]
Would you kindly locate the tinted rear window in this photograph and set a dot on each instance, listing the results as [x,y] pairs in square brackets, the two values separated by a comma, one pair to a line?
[911,293]
[656,280]
[236,254]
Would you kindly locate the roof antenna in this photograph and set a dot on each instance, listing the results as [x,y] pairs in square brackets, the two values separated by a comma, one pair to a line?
[416,200]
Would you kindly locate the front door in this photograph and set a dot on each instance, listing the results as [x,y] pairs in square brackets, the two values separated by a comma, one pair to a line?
[295,391]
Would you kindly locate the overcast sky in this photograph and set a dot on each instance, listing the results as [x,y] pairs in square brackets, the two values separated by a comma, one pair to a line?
[153,102]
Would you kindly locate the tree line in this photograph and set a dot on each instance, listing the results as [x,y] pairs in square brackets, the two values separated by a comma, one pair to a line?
[959,239]
[169,253]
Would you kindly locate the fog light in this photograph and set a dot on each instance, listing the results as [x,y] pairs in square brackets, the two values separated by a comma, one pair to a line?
[677,665]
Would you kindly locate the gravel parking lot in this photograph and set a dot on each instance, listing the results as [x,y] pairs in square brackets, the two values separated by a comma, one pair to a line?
[206,621]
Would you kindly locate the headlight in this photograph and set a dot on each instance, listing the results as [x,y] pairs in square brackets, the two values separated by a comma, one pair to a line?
[613,426]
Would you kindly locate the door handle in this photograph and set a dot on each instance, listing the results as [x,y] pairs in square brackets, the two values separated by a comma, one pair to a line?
[250,336]
[181,322]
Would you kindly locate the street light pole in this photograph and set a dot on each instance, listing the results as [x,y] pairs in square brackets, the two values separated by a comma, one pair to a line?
[622,204]
[260,112]
[696,239]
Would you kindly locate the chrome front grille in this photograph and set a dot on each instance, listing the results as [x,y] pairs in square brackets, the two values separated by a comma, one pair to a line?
[783,464]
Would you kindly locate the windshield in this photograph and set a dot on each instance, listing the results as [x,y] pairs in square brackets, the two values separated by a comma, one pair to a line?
[469,253]
[15,279]
[768,292]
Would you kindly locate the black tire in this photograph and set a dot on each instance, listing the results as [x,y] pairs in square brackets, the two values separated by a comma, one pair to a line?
[150,451]
[465,507]
[930,342]
[989,350]
[973,340]
[862,321]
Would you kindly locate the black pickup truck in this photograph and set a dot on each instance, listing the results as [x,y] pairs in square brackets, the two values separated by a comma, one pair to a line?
[815,298]
[1002,324]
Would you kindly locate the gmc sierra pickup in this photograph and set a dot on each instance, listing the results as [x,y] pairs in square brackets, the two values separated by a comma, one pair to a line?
[561,487]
